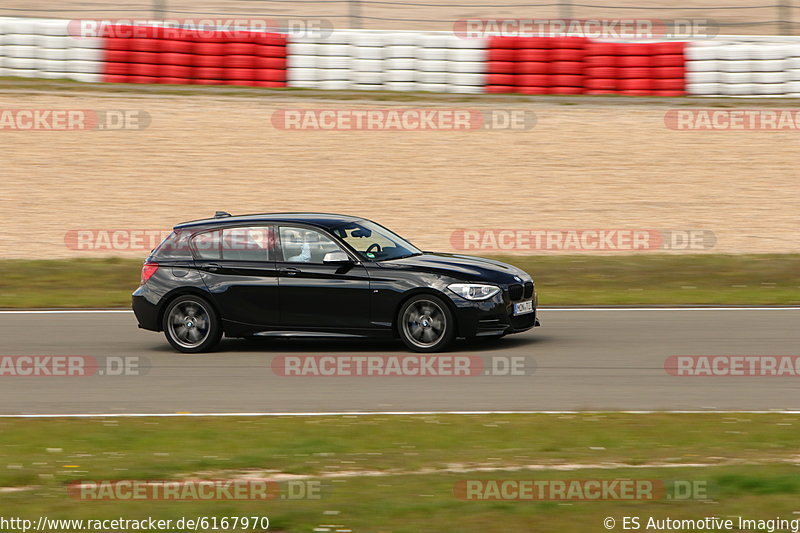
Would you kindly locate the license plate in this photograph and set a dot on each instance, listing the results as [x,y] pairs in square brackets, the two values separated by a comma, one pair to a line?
[523,308]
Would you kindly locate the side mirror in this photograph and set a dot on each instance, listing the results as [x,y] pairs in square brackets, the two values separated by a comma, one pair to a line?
[336,258]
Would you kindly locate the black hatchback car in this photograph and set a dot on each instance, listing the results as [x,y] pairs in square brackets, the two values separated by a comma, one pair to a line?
[322,275]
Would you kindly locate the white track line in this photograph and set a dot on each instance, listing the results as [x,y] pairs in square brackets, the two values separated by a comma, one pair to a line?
[402,413]
[549,310]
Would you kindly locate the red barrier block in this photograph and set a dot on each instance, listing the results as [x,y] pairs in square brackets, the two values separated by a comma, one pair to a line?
[500,89]
[635,61]
[177,59]
[635,84]
[177,46]
[669,72]
[566,67]
[675,84]
[501,67]
[116,44]
[601,84]
[500,79]
[566,90]
[567,54]
[269,75]
[117,68]
[176,71]
[270,51]
[533,90]
[497,41]
[501,54]
[672,60]
[600,61]
[233,61]
[175,81]
[198,81]
[242,49]
[209,48]
[115,78]
[540,67]
[269,62]
[634,72]
[567,80]
[601,49]
[208,73]
[668,48]
[144,57]
[543,43]
[116,56]
[142,79]
[145,69]
[601,72]
[208,61]
[144,45]
[533,55]
[534,80]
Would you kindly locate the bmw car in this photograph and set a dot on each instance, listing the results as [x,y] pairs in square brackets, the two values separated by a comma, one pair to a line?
[322,275]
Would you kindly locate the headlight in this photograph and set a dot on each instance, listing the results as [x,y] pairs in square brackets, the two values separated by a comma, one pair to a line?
[474,291]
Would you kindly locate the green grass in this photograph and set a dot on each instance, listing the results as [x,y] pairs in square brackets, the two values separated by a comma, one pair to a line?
[750,470]
[561,280]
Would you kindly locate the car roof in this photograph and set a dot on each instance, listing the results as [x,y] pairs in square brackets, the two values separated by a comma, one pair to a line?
[322,220]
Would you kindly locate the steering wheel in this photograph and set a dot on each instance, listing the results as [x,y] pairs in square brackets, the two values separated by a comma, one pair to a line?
[376,246]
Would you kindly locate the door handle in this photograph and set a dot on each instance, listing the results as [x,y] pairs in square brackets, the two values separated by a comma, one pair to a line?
[290,271]
[212,267]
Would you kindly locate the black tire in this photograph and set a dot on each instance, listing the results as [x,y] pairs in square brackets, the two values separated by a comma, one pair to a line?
[191,324]
[426,324]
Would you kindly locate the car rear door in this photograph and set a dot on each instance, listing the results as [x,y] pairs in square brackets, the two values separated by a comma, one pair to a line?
[315,295]
[238,268]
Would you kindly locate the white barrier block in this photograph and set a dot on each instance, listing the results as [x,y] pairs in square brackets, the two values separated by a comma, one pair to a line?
[400,86]
[334,85]
[400,51]
[401,63]
[469,54]
[428,77]
[301,62]
[703,89]
[301,49]
[703,77]
[473,67]
[337,62]
[458,78]
[333,50]
[401,75]
[367,65]
[433,54]
[301,74]
[367,52]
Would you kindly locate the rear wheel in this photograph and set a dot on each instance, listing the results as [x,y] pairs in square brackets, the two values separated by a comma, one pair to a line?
[191,325]
[426,324]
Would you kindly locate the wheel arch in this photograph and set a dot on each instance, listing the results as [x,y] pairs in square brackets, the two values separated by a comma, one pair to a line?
[419,291]
[186,291]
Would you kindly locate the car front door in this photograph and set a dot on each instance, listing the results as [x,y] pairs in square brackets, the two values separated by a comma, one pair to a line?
[238,268]
[318,295]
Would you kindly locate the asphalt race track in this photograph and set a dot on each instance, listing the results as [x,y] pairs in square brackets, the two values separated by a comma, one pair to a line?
[578,360]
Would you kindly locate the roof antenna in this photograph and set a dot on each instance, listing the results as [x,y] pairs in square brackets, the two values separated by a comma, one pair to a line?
[221,214]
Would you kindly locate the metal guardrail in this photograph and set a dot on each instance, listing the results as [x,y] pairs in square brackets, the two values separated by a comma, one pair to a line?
[355,12]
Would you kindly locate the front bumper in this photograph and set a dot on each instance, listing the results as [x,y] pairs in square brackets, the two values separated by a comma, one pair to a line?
[493,317]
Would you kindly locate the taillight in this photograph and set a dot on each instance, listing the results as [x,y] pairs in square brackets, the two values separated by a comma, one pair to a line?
[148,269]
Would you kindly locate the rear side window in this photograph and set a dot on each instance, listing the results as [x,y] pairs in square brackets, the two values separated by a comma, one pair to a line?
[236,244]
[174,247]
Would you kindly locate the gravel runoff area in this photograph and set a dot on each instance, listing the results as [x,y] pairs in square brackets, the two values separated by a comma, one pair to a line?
[601,166]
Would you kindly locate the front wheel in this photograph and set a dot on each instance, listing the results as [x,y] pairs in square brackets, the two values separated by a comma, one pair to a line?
[426,324]
[191,325]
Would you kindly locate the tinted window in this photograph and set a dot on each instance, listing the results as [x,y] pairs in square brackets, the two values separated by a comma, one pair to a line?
[236,244]
[301,245]
[175,246]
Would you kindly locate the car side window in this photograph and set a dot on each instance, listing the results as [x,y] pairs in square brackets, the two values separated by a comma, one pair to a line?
[302,245]
[236,244]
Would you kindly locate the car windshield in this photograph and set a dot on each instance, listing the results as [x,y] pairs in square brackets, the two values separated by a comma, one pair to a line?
[374,242]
